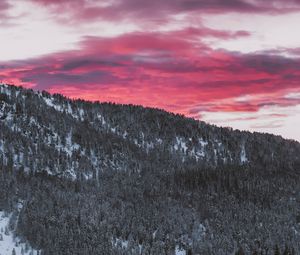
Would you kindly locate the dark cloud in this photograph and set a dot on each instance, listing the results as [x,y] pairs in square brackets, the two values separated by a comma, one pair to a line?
[86,63]
[270,63]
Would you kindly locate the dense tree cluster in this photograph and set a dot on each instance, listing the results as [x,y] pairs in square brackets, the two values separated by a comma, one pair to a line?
[100,178]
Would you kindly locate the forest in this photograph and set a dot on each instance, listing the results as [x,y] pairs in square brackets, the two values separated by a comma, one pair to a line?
[101,178]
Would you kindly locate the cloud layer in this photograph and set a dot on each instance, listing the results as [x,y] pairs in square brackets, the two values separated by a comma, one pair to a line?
[172,70]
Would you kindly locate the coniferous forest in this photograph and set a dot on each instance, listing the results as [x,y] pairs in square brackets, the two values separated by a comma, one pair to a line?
[99,178]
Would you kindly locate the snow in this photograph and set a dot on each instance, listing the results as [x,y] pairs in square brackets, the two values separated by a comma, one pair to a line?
[159,140]
[101,119]
[81,113]
[199,232]
[70,146]
[8,241]
[2,146]
[243,155]
[179,251]
[154,234]
[69,110]
[202,142]
[180,144]
[124,243]
[61,108]
[120,242]
[49,102]
[198,151]
[5,89]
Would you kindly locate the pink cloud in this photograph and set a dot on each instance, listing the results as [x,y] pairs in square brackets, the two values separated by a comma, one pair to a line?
[166,70]
[4,7]
[79,11]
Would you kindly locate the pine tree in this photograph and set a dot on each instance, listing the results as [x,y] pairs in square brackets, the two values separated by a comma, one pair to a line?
[240,251]
[276,250]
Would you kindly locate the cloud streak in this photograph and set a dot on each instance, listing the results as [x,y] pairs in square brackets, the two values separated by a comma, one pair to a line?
[159,11]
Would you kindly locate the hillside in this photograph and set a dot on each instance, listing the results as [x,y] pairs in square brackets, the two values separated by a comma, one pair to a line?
[102,178]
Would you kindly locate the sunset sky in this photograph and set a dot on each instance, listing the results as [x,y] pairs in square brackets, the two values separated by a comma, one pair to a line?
[228,62]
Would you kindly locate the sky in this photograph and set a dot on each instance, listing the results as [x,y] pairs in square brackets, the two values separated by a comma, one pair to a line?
[232,63]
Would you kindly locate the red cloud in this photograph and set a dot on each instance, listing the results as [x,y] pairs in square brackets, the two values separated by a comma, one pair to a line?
[173,70]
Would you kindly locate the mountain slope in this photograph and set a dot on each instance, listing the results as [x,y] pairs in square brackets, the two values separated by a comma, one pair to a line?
[121,179]
[99,135]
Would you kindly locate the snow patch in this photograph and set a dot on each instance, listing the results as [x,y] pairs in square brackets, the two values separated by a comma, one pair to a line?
[180,144]
[179,251]
[243,155]
[4,89]
[8,241]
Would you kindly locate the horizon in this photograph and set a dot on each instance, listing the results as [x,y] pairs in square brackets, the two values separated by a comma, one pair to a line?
[155,108]
[232,63]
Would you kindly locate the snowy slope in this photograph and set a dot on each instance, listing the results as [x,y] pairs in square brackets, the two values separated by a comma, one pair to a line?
[9,244]
[90,137]
[202,149]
